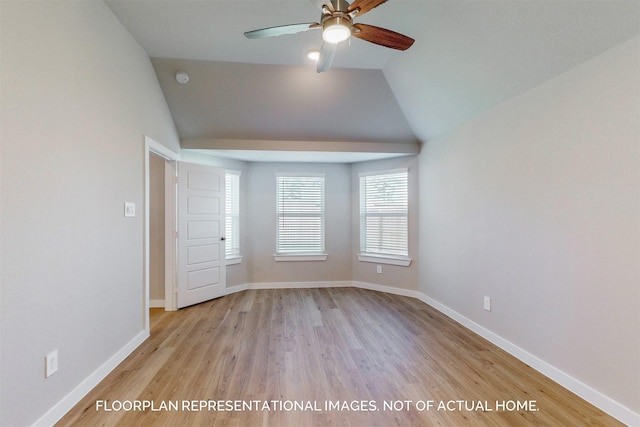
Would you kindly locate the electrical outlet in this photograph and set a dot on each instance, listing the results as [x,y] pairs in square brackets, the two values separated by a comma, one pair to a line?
[487,303]
[379,269]
[51,364]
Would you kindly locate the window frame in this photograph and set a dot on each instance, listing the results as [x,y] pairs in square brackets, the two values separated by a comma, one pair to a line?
[319,255]
[381,257]
[234,257]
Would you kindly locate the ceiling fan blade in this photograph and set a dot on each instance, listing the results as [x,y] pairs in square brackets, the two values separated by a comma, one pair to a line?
[382,36]
[281,30]
[364,6]
[327,53]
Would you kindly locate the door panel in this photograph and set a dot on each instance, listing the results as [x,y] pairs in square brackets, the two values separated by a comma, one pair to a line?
[201,250]
[204,277]
[203,205]
[202,229]
[200,254]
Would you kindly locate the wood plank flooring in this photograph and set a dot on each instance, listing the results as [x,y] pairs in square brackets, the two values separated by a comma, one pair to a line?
[323,357]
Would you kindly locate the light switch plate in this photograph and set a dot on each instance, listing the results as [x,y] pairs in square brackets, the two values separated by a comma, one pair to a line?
[129,210]
[51,364]
[487,303]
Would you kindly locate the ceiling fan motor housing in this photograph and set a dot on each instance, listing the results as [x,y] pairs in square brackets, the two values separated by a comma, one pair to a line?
[331,20]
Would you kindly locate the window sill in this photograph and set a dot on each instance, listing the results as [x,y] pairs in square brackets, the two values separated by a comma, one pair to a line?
[385,259]
[305,257]
[236,259]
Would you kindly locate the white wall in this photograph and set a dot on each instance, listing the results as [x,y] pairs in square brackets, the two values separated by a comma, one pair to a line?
[392,275]
[78,96]
[535,203]
[261,230]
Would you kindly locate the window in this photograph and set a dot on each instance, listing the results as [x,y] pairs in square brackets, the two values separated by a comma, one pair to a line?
[300,217]
[232,207]
[383,217]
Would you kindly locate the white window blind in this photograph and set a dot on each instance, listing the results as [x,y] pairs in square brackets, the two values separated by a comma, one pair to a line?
[383,213]
[300,214]
[232,206]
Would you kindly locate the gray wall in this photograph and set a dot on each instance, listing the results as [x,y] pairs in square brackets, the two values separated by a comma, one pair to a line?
[535,203]
[261,230]
[342,224]
[78,96]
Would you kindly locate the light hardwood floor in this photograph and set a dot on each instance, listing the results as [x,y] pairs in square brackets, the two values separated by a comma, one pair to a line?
[354,348]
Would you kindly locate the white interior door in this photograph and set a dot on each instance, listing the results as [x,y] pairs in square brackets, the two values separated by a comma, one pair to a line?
[201,241]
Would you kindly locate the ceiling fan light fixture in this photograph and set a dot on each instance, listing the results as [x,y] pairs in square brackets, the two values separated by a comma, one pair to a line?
[336,29]
[336,22]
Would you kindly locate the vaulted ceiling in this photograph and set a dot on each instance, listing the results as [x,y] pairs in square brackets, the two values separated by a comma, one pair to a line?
[468,56]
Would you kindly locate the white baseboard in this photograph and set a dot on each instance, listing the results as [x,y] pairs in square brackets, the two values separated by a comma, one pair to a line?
[156,303]
[592,396]
[299,285]
[70,400]
[387,289]
[589,394]
[234,289]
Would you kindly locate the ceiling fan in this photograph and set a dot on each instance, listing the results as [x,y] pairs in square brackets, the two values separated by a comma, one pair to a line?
[337,25]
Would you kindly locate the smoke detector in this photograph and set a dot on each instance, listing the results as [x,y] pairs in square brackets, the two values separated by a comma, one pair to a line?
[182,77]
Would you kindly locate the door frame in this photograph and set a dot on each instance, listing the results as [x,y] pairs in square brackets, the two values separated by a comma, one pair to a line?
[170,157]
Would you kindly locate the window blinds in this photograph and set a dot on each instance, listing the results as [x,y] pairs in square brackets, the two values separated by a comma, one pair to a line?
[300,214]
[232,207]
[383,213]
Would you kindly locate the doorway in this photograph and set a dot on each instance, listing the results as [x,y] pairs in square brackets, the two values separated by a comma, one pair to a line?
[192,226]
[157,223]
[157,156]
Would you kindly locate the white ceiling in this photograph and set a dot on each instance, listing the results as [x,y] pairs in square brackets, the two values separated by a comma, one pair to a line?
[469,55]
[213,30]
